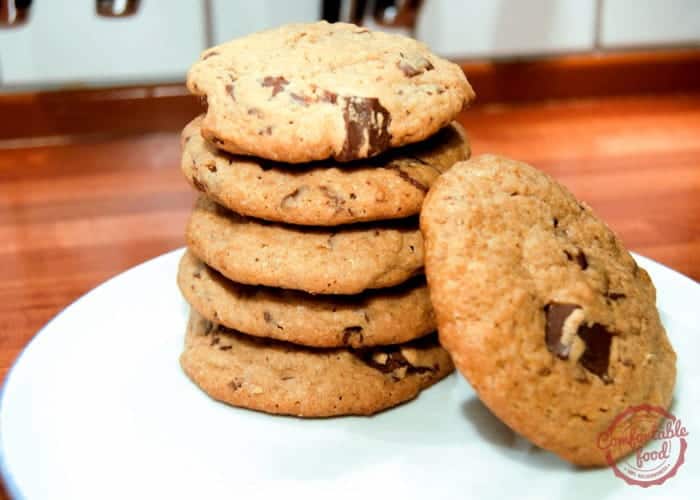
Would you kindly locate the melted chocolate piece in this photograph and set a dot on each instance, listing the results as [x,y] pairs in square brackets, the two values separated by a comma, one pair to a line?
[350,331]
[302,99]
[615,296]
[596,357]
[278,83]
[366,122]
[597,338]
[581,260]
[328,96]
[231,91]
[556,315]
[410,71]
[198,185]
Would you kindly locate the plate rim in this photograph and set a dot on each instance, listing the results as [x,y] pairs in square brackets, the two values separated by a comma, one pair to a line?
[7,478]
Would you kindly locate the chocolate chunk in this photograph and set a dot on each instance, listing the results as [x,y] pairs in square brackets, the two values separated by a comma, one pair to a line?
[389,358]
[211,167]
[278,83]
[198,185]
[304,100]
[556,314]
[597,338]
[197,275]
[615,296]
[581,260]
[230,90]
[406,177]
[555,222]
[366,124]
[394,361]
[596,357]
[267,317]
[224,347]
[352,332]
[411,70]
[209,54]
[328,96]
[209,328]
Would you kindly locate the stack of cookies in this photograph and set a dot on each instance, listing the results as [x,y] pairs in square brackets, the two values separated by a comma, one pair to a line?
[304,262]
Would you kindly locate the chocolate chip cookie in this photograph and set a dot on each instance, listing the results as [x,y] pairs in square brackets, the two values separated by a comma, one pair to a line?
[541,306]
[378,317]
[390,186]
[345,260]
[305,92]
[278,377]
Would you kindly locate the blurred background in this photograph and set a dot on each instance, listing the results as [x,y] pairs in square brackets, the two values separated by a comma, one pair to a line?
[47,44]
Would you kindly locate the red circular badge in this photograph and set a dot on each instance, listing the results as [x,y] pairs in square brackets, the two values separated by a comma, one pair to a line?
[657,460]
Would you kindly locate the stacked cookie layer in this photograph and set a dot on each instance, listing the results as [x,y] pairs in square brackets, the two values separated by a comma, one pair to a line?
[304,270]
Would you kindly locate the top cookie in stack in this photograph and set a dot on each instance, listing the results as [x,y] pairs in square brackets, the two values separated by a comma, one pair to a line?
[317,149]
[309,92]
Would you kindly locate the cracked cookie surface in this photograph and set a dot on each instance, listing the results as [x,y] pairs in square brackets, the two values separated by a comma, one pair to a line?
[316,260]
[542,308]
[390,186]
[283,378]
[378,317]
[306,92]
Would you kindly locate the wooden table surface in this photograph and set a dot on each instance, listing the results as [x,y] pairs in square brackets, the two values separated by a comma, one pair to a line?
[74,214]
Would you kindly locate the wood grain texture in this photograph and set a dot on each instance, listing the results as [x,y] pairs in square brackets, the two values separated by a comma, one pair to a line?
[585,75]
[75,214]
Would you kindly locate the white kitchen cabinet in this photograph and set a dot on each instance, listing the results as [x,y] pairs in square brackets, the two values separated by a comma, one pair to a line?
[234,19]
[66,42]
[504,28]
[647,23]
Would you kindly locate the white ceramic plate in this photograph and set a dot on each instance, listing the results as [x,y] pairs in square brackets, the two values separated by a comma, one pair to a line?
[97,407]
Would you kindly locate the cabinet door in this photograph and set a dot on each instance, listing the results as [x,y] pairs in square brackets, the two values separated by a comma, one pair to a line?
[646,23]
[498,28]
[235,19]
[67,43]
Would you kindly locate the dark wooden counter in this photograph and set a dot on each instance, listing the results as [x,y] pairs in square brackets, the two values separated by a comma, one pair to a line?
[75,212]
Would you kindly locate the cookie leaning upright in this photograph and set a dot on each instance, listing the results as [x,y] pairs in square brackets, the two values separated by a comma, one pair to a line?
[542,308]
[307,92]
